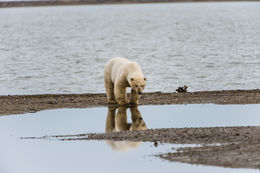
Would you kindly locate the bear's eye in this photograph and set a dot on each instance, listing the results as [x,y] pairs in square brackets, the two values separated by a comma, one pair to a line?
[142,86]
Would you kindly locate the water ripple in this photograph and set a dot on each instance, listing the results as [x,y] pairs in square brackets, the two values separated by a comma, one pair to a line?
[207,46]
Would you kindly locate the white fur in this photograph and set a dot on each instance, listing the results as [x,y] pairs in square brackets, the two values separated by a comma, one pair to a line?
[119,74]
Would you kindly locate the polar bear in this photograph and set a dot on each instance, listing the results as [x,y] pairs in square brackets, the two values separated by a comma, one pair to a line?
[119,74]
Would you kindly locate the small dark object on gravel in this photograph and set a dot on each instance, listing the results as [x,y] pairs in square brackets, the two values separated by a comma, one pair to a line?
[182,89]
[155,143]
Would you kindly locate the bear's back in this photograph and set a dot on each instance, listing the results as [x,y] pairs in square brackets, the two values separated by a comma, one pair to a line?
[119,66]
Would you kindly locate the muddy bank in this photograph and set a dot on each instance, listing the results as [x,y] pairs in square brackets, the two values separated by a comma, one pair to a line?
[32,103]
[234,155]
[235,147]
[209,135]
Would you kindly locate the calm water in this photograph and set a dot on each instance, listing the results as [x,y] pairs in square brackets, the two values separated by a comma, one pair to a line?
[208,46]
[30,156]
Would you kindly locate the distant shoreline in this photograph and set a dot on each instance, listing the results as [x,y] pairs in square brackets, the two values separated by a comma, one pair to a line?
[93,2]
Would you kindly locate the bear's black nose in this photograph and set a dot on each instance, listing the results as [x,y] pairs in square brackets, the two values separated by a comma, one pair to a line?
[139,93]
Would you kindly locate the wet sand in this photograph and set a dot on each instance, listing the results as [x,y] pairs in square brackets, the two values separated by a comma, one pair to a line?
[32,103]
[236,146]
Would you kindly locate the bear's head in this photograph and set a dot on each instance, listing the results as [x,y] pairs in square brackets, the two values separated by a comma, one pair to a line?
[138,84]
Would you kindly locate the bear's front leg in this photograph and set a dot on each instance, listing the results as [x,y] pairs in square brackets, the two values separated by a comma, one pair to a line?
[134,97]
[120,95]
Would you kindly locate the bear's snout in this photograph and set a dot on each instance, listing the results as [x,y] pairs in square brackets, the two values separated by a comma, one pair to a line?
[139,92]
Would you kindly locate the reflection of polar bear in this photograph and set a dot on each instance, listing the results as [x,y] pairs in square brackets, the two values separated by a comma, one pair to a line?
[138,122]
[118,122]
[119,74]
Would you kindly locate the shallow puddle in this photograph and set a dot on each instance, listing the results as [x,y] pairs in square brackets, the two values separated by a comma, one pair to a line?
[31,155]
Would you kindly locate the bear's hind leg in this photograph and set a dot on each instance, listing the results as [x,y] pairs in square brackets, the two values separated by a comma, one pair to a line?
[110,91]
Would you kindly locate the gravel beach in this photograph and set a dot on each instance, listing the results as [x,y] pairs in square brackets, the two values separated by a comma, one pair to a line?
[235,147]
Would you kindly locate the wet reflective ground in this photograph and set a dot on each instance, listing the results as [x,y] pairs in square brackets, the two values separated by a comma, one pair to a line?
[53,155]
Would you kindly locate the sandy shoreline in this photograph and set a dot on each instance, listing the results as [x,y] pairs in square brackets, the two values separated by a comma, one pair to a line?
[234,147]
[237,147]
[20,104]
[93,2]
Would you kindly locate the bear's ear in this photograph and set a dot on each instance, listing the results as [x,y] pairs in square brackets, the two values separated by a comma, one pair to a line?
[144,78]
[132,79]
